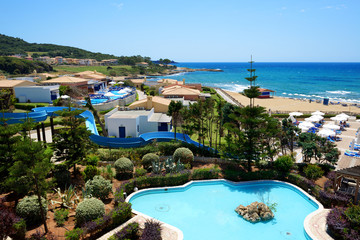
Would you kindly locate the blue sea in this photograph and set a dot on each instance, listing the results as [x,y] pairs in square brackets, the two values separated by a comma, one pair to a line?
[336,81]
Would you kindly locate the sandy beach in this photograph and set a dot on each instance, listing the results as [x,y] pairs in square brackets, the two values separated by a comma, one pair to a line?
[286,105]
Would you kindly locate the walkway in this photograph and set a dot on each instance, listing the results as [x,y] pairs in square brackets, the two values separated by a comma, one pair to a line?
[141,94]
[315,225]
[227,97]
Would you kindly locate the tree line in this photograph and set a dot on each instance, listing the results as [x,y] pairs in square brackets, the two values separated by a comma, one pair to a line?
[16,66]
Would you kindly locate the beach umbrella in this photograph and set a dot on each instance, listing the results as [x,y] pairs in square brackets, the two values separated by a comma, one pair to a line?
[338,118]
[326,132]
[358,120]
[65,97]
[109,94]
[120,82]
[295,114]
[303,128]
[343,115]
[317,113]
[314,118]
[306,124]
[292,119]
[112,82]
[331,126]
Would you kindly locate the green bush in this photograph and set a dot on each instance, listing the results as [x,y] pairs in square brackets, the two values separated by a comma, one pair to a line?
[29,106]
[88,210]
[61,175]
[284,164]
[140,172]
[352,213]
[239,175]
[121,213]
[92,160]
[185,155]
[60,216]
[90,172]
[313,172]
[20,230]
[99,187]
[29,209]
[148,159]
[124,168]
[205,173]
[74,234]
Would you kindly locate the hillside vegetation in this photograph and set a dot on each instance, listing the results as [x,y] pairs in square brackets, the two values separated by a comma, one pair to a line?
[17,66]
[10,45]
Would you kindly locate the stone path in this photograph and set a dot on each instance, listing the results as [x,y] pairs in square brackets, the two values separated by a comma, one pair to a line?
[316,227]
[227,97]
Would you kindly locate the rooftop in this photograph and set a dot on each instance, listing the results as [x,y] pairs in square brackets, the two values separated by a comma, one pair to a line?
[14,83]
[179,90]
[66,79]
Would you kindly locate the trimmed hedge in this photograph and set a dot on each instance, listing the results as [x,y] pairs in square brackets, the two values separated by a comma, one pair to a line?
[29,106]
[29,209]
[99,187]
[147,160]
[184,155]
[205,173]
[89,209]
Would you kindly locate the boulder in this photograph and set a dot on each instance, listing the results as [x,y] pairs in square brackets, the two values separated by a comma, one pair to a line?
[255,212]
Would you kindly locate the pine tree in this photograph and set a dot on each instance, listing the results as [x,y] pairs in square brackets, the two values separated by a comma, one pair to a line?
[72,142]
[8,141]
[32,161]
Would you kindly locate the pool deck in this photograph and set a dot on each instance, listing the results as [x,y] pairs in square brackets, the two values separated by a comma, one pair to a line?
[315,225]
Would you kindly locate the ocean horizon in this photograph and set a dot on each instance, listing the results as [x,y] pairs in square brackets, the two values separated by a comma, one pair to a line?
[338,81]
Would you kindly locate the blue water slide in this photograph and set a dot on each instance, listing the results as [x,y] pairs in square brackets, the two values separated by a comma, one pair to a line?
[12,118]
[41,113]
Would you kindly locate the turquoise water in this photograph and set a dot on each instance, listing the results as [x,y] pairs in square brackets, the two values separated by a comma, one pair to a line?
[206,210]
[337,81]
[98,101]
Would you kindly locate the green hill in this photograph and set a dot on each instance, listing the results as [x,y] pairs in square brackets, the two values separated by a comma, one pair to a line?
[17,66]
[12,45]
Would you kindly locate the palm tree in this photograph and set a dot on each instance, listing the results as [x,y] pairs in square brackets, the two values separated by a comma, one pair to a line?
[174,112]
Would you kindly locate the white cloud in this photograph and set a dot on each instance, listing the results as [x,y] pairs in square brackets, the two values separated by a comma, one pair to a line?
[302,10]
[337,7]
[119,5]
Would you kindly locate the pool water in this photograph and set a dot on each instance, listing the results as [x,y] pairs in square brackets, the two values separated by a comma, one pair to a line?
[206,210]
[118,95]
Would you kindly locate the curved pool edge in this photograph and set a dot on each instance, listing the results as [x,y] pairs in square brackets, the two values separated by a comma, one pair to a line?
[308,233]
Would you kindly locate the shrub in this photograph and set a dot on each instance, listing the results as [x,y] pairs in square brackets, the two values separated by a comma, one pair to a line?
[206,173]
[29,209]
[284,164]
[74,234]
[313,172]
[121,213]
[327,168]
[124,168]
[128,232]
[140,172]
[92,160]
[20,230]
[60,216]
[152,230]
[185,155]
[88,210]
[107,172]
[339,225]
[148,159]
[99,187]
[61,175]
[334,199]
[352,213]
[7,220]
[90,172]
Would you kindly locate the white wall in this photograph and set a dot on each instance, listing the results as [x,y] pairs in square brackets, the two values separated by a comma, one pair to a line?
[130,124]
[34,94]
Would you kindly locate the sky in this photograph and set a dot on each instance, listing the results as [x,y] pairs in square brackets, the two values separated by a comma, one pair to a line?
[193,30]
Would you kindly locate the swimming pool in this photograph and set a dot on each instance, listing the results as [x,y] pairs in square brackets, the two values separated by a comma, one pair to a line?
[205,209]
[115,95]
